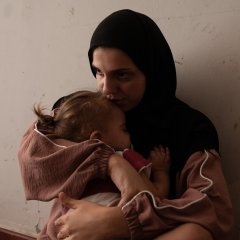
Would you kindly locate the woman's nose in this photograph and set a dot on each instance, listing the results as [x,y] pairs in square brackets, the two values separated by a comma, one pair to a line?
[108,86]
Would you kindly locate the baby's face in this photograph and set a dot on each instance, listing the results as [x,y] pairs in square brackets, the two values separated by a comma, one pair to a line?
[116,134]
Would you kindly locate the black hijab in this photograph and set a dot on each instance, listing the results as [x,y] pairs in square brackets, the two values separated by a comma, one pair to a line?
[160,118]
[139,37]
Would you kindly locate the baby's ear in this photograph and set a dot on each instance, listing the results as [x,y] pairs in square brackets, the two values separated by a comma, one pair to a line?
[96,135]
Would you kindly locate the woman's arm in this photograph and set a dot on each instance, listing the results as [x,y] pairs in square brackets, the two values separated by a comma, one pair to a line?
[203,201]
[88,220]
[91,221]
[112,224]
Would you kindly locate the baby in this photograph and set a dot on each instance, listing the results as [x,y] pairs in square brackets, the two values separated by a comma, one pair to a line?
[68,150]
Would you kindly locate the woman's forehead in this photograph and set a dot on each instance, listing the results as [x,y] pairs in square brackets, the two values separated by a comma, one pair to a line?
[111,58]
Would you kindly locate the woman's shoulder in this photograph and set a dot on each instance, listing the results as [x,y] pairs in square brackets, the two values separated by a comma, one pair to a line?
[190,116]
[195,126]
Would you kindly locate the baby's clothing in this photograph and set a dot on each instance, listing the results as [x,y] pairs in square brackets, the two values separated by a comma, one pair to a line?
[50,165]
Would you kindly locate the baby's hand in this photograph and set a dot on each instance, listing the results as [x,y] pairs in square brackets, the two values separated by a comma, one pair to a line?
[160,158]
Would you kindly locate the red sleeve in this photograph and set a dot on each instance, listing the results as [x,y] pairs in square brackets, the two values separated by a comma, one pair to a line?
[136,160]
[203,199]
[49,166]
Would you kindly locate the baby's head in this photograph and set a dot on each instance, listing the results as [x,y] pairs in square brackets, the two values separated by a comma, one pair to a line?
[87,115]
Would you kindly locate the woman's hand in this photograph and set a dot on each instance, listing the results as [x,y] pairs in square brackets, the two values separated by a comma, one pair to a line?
[87,220]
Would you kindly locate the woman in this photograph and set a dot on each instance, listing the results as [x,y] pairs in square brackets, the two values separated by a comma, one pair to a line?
[134,68]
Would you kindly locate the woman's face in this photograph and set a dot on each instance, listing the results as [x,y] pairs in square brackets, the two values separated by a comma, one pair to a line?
[118,77]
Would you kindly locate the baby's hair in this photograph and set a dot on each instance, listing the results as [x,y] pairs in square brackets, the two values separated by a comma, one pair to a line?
[77,116]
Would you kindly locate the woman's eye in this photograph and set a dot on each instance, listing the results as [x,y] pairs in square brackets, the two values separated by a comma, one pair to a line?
[98,72]
[123,75]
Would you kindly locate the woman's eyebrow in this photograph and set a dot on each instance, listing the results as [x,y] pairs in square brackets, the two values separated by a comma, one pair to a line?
[113,70]
[94,67]
[123,69]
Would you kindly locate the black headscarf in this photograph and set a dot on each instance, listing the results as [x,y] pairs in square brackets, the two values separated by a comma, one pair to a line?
[160,118]
[139,37]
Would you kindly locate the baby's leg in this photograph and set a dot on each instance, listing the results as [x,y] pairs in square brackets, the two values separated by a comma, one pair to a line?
[187,231]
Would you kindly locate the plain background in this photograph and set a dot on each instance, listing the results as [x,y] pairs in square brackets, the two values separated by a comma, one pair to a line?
[43,55]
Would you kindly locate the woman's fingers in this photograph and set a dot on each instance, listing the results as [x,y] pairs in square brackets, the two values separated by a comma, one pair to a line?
[67,201]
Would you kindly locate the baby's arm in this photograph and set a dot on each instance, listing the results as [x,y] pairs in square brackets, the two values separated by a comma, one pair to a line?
[160,158]
[126,178]
[126,174]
